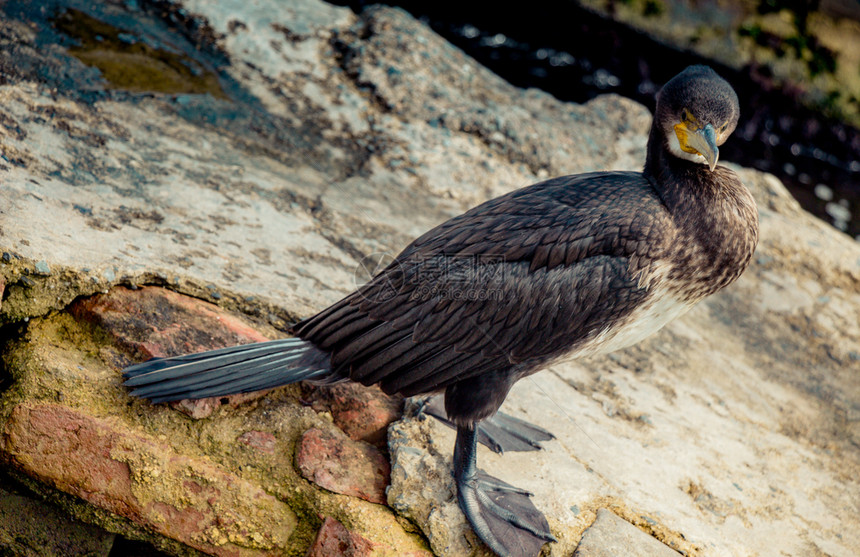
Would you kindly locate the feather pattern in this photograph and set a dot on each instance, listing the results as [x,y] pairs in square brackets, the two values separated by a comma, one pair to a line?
[522,278]
[562,267]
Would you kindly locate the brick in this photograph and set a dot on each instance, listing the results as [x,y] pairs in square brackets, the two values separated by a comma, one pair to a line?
[335,462]
[188,499]
[363,413]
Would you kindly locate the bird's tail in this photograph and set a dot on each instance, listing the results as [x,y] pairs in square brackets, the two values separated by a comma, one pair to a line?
[227,371]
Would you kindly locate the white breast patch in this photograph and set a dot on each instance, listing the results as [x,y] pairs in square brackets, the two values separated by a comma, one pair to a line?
[641,323]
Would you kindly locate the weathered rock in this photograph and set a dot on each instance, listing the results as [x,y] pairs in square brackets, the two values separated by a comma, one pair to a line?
[334,539]
[422,486]
[196,503]
[363,413]
[260,440]
[610,535]
[32,528]
[228,488]
[302,148]
[335,462]
[153,322]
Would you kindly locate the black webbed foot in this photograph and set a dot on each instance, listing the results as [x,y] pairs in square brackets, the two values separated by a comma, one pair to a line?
[502,515]
[501,432]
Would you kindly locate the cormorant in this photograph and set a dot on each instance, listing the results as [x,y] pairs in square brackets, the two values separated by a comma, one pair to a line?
[572,266]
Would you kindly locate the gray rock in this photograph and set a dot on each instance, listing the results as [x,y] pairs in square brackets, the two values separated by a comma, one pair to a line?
[422,487]
[30,528]
[612,536]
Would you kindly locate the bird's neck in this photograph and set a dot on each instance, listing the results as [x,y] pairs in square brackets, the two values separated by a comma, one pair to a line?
[677,181]
[656,152]
[715,214]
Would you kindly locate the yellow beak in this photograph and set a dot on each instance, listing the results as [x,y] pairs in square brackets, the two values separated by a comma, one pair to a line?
[702,141]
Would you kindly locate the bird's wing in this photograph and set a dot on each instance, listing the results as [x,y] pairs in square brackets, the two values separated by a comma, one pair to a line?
[520,278]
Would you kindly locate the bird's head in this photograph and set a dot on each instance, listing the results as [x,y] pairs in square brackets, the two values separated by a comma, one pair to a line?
[697,110]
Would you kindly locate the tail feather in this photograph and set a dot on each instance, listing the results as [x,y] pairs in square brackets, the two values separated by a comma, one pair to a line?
[214,376]
[239,353]
[226,371]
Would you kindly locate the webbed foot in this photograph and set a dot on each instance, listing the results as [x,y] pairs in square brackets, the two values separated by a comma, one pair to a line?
[501,432]
[502,515]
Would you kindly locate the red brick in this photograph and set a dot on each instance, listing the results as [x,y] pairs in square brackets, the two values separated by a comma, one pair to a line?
[263,441]
[335,462]
[155,322]
[334,539]
[132,475]
[363,413]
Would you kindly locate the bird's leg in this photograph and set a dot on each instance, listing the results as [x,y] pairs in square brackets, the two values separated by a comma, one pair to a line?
[500,432]
[502,515]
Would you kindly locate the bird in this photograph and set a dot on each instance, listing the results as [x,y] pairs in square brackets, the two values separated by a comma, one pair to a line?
[569,267]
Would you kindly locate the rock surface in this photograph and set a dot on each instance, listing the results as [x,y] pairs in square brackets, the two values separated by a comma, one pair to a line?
[335,462]
[610,536]
[330,141]
[32,528]
[223,486]
[188,500]
[364,414]
[334,539]
[152,322]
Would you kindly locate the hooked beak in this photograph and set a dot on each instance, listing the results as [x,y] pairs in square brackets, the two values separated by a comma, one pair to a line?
[698,141]
[704,141]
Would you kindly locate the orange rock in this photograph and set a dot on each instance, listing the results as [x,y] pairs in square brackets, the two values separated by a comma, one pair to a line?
[363,413]
[182,497]
[335,462]
[155,322]
[334,539]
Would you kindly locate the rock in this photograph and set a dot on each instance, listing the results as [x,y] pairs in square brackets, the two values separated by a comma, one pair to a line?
[422,486]
[334,462]
[153,322]
[260,440]
[30,528]
[610,536]
[189,500]
[733,431]
[363,413]
[334,539]
[132,468]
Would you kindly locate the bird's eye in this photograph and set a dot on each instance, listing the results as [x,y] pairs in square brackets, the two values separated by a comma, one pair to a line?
[685,115]
[724,128]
